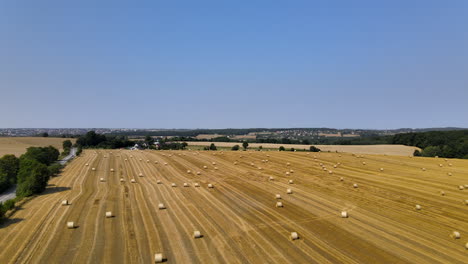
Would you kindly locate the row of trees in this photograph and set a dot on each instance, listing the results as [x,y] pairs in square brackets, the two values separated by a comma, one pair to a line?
[94,140]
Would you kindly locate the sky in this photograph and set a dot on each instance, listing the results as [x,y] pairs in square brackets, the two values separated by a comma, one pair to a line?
[234,64]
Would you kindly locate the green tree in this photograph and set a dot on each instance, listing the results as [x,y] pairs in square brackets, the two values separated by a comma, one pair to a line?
[9,166]
[314,149]
[245,145]
[67,144]
[32,177]
[45,155]
[417,153]
[45,134]
[235,147]
[212,146]
[281,148]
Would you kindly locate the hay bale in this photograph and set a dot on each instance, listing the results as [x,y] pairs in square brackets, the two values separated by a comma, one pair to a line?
[158,182]
[109,214]
[278,196]
[235,162]
[65,202]
[294,236]
[147,161]
[440,165]
[155,162]
[161,206]
[197,184]
[449,174]
[465,202]
[341,179]
[86,164]
[126,159]
[330,172]
[198,173]
[133,181]
[289,191]
[197,234]
[112,170]
[260,168]
[188,171]
[215,168]
[186,184]
[210,185]
[442,193]
[287,173]
[122,180]
[252,164]
[205,167]
[271,178]
[173,185]
[450,164]
[363,163]
[424,169]
[165,163]
[102,180]
[381,169]
[334,166]
[344,214]
[279,204]
[93,169]
[355,185]
[140,175]
[158,258]
[70,225]
[214,163]
[455,235]
[418,207]
[291,182]
[461,187]
[288,164]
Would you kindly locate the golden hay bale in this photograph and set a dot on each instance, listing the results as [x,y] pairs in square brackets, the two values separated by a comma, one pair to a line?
[109,214]
[455,235]
[289,191]
[188,171]
[186,184]
[381,169]
[442,193]
[70,225]
[363,163]
[205,167]
[330,172]
[158,182]
[287,173]
[450,164]
[235,162]
[288,164]
[461,187]
[165,163]
[173,185]
[271,178]
[147,161]
[449,174]
[278,196]
[210,185]
[215,168]
[140,175]
[418,207]
[334,166]
[158,258]
[122,180]
[355,185]
[155,162]
[341,179]
[260,168]
[102,180]
[424,169]
[161,206]
[294,236]
[197,184]
[465,202]
[290,181]
[344,214]
[214,163]
[65,202]
[198,173]
[440,165]
[112,170]
[133,181]
[93,169]
[279,204]
[291,171]
[197,234]
[86,164]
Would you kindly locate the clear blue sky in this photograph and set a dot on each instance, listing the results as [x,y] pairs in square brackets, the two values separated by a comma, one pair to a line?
[219,64]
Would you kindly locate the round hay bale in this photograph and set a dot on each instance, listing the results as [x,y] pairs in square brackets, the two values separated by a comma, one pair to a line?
[70,225]
[126,159]
[93,169]
[109,214]
[158,258]
[214,163]
[161,206]
[205,167]
[155,162]
[440,165]
[461,187]
[287,173]
[455,235]
[260,168]
[381,169]
[158,182]
[188,172]
[215,168]
[363,163]
[102,180]
[140,159]
[235,162]
[210,185]
[355,185]
[197,234]
[133,181]
[424,169]
[252,164]
[466,186]
[279,204]
[465,202]
[65,202]
[122,180]
[165,163]
[271,178]
[198,173]
[341,179]
[294,236]
[186,184]
[288,164]
[344,214]
[442,193]
[330,172]
[197,184]
[291,182]
[418,207]
[289,191]
[173,185]
[450,164]
[140,175]
[112,170]
[147,161]
[86,164]
[449,174]
[278,196]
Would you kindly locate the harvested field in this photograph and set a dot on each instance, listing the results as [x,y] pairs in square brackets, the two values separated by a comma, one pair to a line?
[398,150]
[238,220]
[18,145]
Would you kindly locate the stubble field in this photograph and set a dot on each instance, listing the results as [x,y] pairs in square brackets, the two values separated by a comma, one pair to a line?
[238,217]
[18,145]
